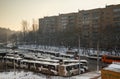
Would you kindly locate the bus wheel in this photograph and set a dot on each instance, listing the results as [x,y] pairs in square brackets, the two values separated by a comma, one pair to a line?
[72,74]
[81,72]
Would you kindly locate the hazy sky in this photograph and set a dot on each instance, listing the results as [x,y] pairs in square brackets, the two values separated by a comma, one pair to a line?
[12,12]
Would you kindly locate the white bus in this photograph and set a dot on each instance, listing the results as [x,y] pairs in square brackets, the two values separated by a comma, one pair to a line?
[70,69]
[40,66]
[12,61]
[47,67]
[85,63]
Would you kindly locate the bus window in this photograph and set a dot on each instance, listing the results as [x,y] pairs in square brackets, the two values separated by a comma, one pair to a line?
[84,63]
[52,67]
[68,68]
[76,66]
[45,66]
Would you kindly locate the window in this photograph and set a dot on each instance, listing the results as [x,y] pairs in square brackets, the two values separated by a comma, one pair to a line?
[116,14]
[117,19]
[117,24]
[116,10]
[95,15]
[95,21]
[68,68]
[52,67]
[85,16]
[95,26]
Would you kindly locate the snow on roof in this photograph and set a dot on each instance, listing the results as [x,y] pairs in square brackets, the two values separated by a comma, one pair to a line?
[46,63]
[66,54]
[83,61]
[29,61]
[71,64]
[29,56]
[59,58]
[47,59]
[72,60]
[8,57]
[40,62]
[113,67]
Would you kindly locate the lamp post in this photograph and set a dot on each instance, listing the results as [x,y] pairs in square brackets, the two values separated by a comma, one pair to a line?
[79,51]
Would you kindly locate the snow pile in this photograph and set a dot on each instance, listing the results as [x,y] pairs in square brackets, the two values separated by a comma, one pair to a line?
[20,75]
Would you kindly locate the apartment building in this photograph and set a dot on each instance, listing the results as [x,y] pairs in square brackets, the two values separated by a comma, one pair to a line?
[110,18]
[48,24]
[67,21]
[90,24]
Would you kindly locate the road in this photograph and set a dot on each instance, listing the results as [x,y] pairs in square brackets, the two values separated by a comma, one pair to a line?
[92,64]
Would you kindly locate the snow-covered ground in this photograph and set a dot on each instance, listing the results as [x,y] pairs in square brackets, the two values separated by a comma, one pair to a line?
[30,75]
[20,75]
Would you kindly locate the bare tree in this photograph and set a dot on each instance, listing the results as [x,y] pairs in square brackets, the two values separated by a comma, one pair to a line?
[25,29]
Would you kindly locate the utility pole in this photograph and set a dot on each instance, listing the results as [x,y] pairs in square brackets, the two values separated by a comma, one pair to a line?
[79,51]
[14,67]
[98,56]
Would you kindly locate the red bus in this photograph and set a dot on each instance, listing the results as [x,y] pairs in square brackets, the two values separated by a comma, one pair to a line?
[110,59]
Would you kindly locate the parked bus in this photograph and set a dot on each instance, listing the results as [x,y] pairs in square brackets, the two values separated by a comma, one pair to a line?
[110,59]
[95,57]
[84,62]
[70,69]
[11,61]
[40,66]
[48,66]
[67,56]
[52,53]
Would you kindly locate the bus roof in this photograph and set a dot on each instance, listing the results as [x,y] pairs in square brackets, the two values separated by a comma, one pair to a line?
[47,63]
[40,62]
[66,54]
[47,59]
[16,58]
[71,64]
[72,60]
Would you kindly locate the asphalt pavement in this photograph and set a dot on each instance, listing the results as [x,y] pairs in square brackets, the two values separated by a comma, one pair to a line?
[92,63]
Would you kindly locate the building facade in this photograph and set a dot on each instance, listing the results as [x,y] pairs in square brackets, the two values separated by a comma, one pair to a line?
[48,24]
[89,24]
